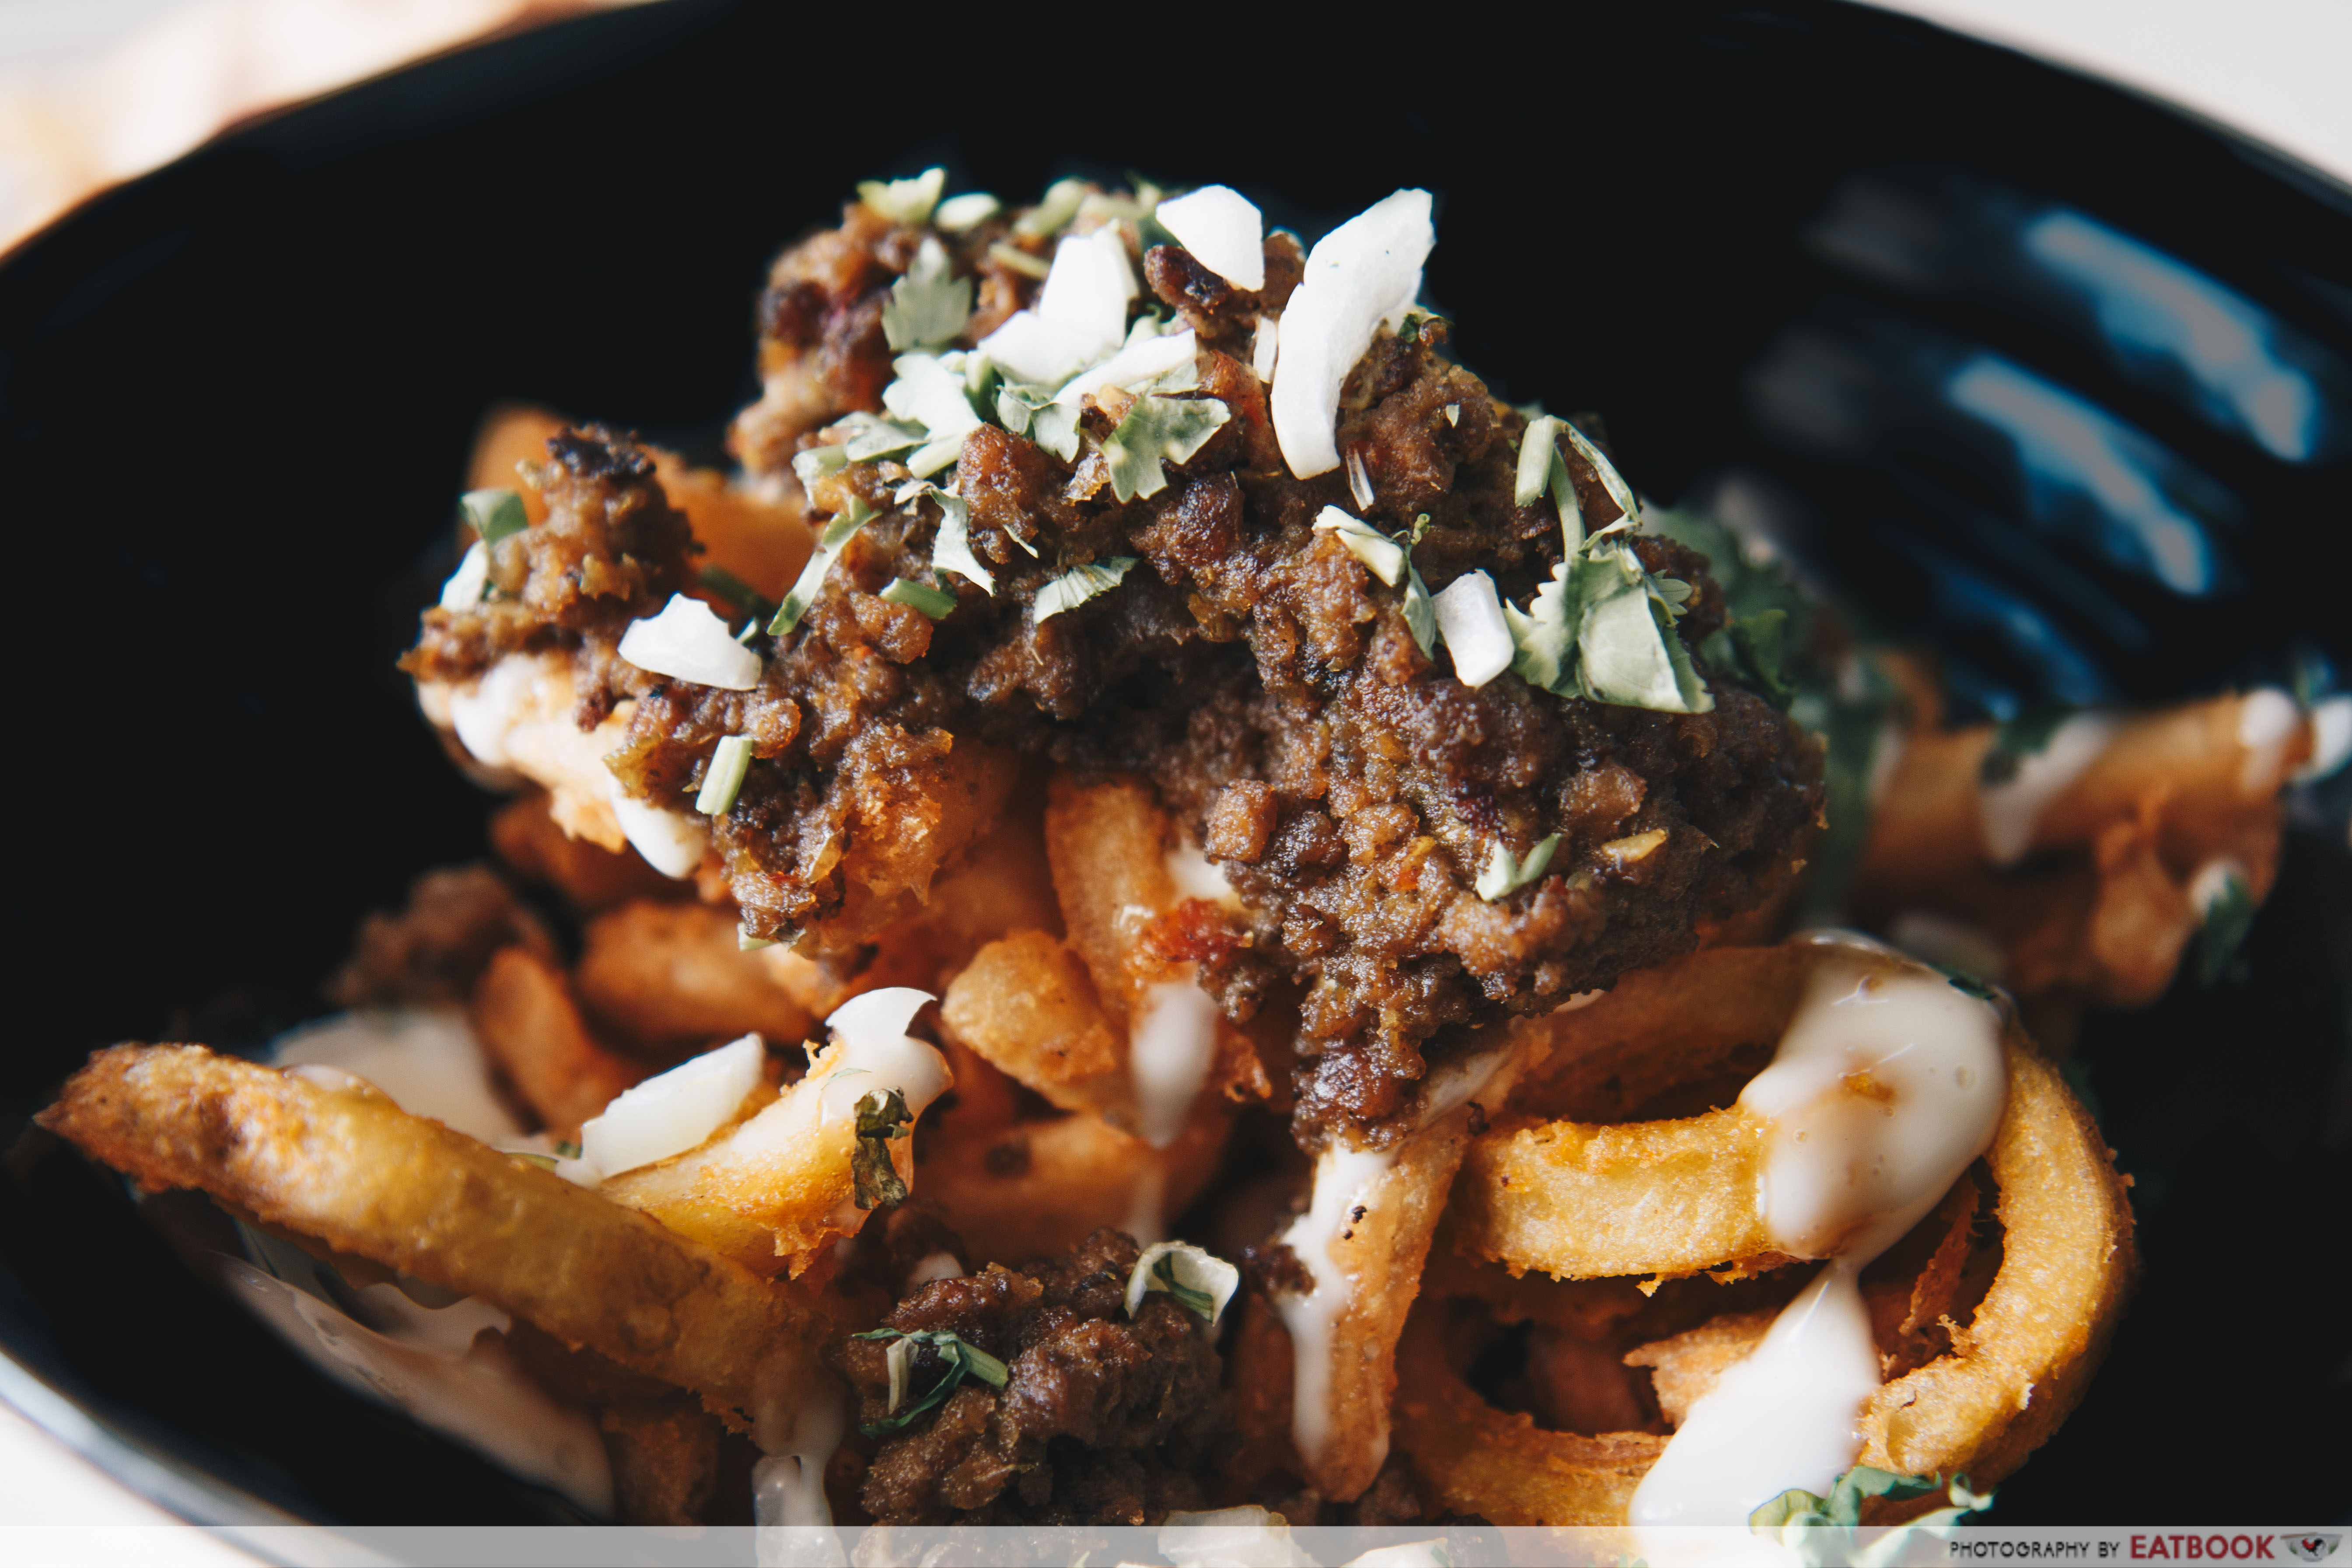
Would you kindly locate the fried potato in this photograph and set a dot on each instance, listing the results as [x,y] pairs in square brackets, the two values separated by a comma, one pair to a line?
[773,1190]
[2095,899]
[347,1166]
[2011,1373]
[590,877]
[526,1019]
[1584,1202]
[669,979]
[1028,1189]
[1371,1217]
[664,1461]
[1027,1006]
[512,434]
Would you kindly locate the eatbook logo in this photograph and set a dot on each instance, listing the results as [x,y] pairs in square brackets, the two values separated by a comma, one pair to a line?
[2311,1548]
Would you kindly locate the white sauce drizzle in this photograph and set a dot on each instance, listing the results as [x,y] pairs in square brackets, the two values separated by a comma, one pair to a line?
[793,1516]
[1197,876]
[2267,721]
[934,1266]
[1147,1212]
[2007,812]
[1170,1047]
[1342,1177]
[428,1062]
[429,1365]
[1888,1082]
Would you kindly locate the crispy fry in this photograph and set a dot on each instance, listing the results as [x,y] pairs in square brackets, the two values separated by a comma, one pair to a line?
[346,1165]
[664,1461]
[2096,901]
[772,1192]
[591,878]
[525,1017]
[669,979]
[1027,1006]
[2010,1375]
[1027,1189]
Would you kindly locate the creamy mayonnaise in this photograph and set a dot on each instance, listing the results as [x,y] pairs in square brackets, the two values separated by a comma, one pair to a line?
[1341,1176]
[1889,1080]
[1170,1047]
[2007,812]
[428,1062]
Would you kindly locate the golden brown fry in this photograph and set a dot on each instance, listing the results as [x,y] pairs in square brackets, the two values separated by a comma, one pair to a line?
[1026,1004]
[591,877]
[1584,1202]
[1024,1190]
[2010,1374]
[670,979]
[346,1165]
[772,1192]
[526,1019]
[2098,906]
[664,1461]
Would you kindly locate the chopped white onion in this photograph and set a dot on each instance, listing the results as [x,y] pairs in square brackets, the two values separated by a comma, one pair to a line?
[1358,276]
[673,1113]
[1265,346]
[1470,618]
[929,391]
[1222,231]
[1090,284]
[1134,364]
[670,841]
[1080,315]
[464,589]
[1195,1268]
[876,1055]
[970,210]
[483,716]
[687,642]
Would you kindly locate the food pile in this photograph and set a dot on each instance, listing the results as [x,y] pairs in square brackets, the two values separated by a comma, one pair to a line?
[1190,762]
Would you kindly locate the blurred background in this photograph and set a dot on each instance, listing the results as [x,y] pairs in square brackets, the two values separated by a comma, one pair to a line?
[96,91]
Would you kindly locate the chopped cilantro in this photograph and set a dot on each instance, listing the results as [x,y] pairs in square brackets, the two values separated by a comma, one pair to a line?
[2026,735]
[880,1117]
[1795,1512]
[2228,919]
[1158,428]
[934,601]
[1969,984]
[493,514]
[1027,408]
[1420,608]
[1604,629]
[1505,874]
[1079,583]
[962,1359]
[952,546]
[1198,1302]
[1757,645]
[872,436]
[908,201]
[1054,210]
[829,546]
[818,461]
[723,779]
[928,306]
[567,1148]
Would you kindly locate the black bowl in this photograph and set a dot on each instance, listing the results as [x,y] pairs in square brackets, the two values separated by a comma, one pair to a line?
[1897,299]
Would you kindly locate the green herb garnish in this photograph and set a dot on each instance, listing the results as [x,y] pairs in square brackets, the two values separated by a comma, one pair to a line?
[493,514]
[872,436]
[938,603]
[1796,1510]
[1758,649]
[1200,1303]
[880,1116]
[1027,408]
[2028,733]
[908,201]
[829,547]
[1505,874]
[567,1148]
[723,779]
[1967,984]
[962,1358]
[928,306]
[1156,429]
[2228,919]
[1079,583]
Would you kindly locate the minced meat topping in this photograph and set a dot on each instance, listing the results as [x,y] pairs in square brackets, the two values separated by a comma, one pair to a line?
[1349,786]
